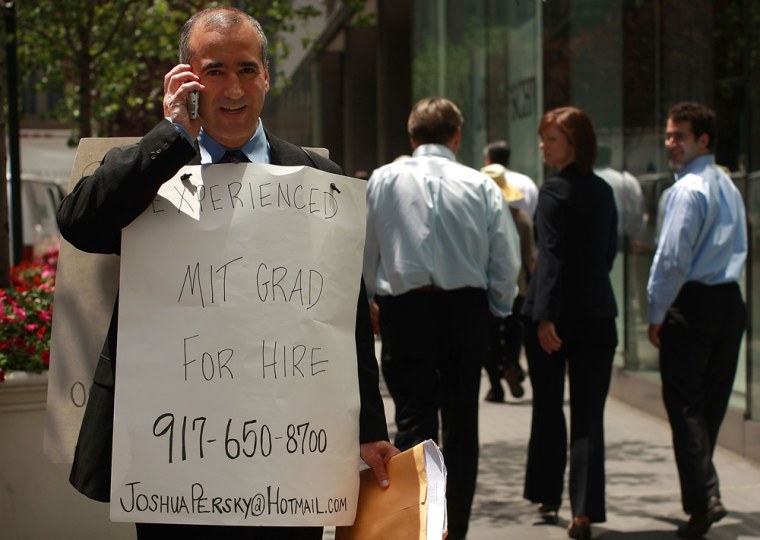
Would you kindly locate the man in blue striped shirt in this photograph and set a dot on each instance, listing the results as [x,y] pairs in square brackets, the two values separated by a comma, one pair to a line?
[696,311]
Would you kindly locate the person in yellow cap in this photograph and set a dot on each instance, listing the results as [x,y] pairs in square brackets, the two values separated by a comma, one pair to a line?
[503,359]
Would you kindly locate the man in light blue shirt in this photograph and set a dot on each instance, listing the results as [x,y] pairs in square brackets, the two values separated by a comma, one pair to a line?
[696,312]
[442,256]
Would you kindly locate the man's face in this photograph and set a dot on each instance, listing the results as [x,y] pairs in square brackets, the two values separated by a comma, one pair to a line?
[230,67]
[681,144]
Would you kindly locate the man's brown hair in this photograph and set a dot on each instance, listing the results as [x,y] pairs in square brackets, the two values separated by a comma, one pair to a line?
[434,120]
[702,119]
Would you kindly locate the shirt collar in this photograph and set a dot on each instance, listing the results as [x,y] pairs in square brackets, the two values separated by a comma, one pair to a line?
[695,165]
[434,150]
[257,147]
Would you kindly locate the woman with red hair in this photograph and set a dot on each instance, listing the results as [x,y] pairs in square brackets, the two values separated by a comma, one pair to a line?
[570,315]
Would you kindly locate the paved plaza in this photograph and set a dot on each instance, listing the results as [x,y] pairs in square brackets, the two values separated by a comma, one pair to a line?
[643,498]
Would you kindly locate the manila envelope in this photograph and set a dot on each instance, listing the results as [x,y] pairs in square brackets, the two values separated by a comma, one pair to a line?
[413,507]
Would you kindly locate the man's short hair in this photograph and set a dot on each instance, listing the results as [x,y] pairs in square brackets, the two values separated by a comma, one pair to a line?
[498,152]
[434,120]
[219,18]
[702,119]
[577,127]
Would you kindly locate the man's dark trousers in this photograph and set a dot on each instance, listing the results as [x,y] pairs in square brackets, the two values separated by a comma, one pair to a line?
[699,348]
[163,531]
[434,343]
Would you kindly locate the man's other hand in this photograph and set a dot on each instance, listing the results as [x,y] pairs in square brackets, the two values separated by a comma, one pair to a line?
[654,334]
[376,455]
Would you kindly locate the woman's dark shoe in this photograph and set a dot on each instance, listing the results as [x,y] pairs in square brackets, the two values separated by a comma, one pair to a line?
[548,512]
[580,528]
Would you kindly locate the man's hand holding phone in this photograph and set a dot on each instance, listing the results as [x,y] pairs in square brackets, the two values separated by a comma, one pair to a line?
[181,98]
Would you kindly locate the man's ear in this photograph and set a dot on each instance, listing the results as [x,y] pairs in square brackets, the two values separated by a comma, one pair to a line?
[456,141]
[414,143]
[704,141]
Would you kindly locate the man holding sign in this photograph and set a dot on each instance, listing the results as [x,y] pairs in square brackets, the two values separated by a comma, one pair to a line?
[223,59]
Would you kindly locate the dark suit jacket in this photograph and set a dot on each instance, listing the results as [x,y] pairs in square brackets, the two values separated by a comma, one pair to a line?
[91,218]
[576,234]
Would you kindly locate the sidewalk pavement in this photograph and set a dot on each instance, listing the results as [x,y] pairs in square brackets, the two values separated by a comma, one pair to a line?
[643,496]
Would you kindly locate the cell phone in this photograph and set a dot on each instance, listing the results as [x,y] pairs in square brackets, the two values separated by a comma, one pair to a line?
[192,104]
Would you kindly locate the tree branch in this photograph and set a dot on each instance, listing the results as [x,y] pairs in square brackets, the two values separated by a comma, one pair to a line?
[114,29]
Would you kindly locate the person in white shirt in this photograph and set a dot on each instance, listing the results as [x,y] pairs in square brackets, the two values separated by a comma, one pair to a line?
[629,198]
[441,258]
[499,152]
[503,360]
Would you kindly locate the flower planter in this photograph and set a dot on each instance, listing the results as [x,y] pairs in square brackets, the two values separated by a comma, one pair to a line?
[23,391]
[27,478]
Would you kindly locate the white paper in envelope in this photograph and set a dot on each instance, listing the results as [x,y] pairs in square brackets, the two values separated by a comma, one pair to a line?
[237,393]
[437,519]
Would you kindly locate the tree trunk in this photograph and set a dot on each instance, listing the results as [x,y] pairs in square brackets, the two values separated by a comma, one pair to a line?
[5,251]
[85,109]
[85,85]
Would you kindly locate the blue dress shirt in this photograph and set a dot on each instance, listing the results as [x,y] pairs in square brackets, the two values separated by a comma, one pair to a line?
[433,221]
[703,238]
[257,148]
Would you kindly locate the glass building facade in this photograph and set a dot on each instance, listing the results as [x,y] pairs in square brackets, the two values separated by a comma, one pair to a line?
[505,62]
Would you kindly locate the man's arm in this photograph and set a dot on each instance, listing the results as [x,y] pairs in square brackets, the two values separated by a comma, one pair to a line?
[375,449]
[92,216]
[372,423]
[504,254]
[684,213]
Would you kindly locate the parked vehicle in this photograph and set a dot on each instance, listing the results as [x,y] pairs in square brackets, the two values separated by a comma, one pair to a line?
[39,200]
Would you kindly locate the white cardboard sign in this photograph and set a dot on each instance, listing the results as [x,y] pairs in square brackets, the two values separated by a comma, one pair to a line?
[237,390]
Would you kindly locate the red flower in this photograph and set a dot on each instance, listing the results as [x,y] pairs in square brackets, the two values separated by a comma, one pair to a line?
[19,312]
[26,311]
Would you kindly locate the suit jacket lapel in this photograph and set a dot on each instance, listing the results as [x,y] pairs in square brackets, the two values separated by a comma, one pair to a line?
[197,157]
[284,153]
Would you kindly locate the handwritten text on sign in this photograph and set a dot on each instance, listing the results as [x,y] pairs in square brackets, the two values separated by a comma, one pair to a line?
[237,395]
